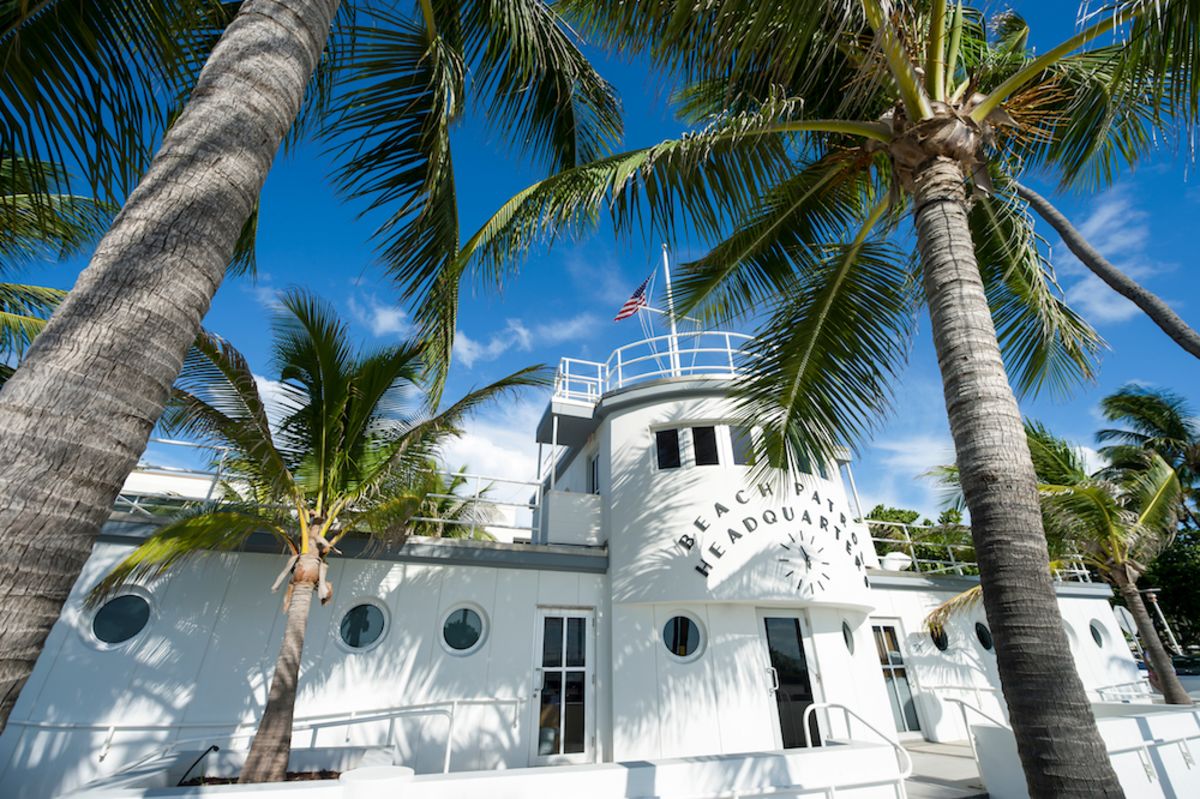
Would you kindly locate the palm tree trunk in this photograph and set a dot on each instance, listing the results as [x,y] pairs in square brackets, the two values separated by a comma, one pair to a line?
[1059,744]
[272,744]
[77,413]
[1160,659]
[1149,302]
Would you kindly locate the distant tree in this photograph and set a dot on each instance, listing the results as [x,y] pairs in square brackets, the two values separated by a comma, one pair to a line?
[447,512]
[349,456]
[1176,572]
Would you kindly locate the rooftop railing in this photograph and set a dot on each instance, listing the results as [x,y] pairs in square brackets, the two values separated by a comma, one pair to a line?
[707,353]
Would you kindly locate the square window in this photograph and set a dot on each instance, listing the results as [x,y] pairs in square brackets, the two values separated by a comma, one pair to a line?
[704,441]
[667,444]
[743,446]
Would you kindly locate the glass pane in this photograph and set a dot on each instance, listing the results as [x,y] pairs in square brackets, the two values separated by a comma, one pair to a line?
[704,440]
[889,681]
[794,694]
[880,646]
[548,718]
[904,693]
[361,626]
[743,446]
[463,629]
[121,619]
[552,635]
[681,635]
[667,442]
[576,645]
[573,709]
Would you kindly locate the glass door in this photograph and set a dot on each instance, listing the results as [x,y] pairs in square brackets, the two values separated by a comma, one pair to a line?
[895,678]
[790,681]
[564,721]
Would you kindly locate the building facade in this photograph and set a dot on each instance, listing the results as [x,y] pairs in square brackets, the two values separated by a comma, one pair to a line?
[663,596]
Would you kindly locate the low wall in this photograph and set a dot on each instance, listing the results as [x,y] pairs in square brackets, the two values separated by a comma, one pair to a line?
[857,770]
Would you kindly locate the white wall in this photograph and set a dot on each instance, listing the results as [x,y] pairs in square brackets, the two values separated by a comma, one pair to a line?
[207,653]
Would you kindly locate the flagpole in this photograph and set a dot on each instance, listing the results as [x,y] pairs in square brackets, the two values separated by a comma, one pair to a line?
[673,340]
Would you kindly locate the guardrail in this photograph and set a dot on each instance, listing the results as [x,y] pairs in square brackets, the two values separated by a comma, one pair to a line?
[904,759]
[247,729]
[1125,691]
[708,353]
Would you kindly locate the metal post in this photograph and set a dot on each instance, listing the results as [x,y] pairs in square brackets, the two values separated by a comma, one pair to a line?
[553,450]
[1152,593]
[673,340]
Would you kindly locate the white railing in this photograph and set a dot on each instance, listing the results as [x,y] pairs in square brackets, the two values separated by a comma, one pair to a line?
[224,731]
[904,759]
[1126,691]
[502,503]
[931,549]
[707,353]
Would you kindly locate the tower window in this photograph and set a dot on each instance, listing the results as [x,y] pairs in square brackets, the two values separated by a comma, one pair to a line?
[704,440]
[594,475]
[743,446]
[667,444]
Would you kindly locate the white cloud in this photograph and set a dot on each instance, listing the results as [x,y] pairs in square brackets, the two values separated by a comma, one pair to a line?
[265,294]
[277,398]
[380,319]
[517,335]
[1119,231]
[599,277]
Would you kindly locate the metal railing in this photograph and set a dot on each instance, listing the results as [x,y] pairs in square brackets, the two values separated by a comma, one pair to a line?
[937,549]
[502,503]
[707,353]
[225,731]
[1126,691]
[904,759]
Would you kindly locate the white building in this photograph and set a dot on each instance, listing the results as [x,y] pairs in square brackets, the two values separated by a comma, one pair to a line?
[664,603]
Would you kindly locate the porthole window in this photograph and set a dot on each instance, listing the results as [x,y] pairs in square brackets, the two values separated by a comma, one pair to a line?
[1099,635]
[120,619]
[682,637]
[984,635]
[848,637]
[462,631]
[940,639]
[362,626]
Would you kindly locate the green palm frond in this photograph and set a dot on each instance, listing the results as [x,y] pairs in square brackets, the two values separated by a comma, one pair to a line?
[1055,461]
[821,371]
[1044,342]
[1154,418]
[1157,495]
[1162,46]
[39,220]
[23,314]
[202,528]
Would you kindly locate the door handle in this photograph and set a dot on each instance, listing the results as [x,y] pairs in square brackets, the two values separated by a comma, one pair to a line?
[774,678]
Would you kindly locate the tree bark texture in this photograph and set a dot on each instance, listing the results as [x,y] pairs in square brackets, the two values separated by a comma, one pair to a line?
[1150,303]
[1060,747]
[272,744]
[77,413]
[1156,653]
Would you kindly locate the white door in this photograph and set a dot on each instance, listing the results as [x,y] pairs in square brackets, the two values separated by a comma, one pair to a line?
[564,716]
[790,676]
[888,637]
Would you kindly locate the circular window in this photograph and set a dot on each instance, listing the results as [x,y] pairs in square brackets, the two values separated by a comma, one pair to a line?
[1098,633]
[462,630]
[120,619]
[984,635]
[682,636]
[940,639]
[362,626]
[848,637]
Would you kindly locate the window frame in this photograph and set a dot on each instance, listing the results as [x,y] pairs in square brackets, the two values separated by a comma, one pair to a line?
[716,444]
[88,633]
[355,602]
[679,448]
[484,622]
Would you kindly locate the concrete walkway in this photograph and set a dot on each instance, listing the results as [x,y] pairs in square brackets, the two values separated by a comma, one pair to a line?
[943,771]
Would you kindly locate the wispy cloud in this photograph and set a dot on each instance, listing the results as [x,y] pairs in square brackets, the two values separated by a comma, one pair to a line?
[265,292]
[599,277]
[517,335]
[381,319]
[1119,230]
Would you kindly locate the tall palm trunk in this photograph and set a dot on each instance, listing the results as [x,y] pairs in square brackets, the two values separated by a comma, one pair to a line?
[76,415]
[1059,744]
[1160,659]
[272,744]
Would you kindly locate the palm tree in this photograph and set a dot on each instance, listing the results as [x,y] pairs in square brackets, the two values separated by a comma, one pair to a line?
[824,126]
[349,456]
[1118,520]
[39,221]
[445,512]
[77,413]
[1158,421]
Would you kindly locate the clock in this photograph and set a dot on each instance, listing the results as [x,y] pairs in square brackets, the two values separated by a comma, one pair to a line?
[804,564]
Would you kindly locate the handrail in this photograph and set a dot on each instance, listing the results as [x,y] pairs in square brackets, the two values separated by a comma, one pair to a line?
[313,723]
[963,707]
[904,759]
[1142,686]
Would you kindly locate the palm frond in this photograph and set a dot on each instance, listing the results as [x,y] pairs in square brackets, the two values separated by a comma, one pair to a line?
[202,528]
[1055,461]
[1044,342]
[961,603]
[39,221]
[23,313]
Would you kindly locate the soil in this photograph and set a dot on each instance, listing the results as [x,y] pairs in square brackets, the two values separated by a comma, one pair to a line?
[292,776]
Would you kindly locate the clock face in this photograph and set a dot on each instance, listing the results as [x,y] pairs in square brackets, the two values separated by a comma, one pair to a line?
[804,563]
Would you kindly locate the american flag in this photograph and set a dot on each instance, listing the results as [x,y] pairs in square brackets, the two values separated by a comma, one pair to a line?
[631,306]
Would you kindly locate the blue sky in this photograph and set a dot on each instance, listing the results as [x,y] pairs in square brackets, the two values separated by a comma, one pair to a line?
[563,302]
